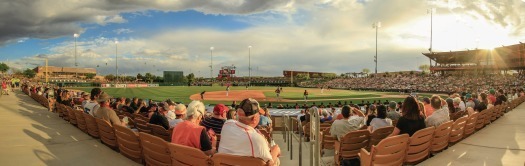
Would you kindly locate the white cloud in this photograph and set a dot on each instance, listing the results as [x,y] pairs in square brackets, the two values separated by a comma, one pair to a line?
[122,31]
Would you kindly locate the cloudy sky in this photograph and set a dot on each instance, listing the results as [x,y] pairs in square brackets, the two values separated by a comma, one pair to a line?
[310,35]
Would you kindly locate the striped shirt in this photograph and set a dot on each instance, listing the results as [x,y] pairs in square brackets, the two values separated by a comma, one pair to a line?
[213,123]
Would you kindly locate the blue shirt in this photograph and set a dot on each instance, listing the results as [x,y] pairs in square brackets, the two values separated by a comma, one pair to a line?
[264,121]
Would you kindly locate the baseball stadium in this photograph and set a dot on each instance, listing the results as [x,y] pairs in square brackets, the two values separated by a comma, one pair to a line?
[262,83]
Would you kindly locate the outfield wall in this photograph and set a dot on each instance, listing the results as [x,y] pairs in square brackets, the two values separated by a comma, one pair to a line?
[128,85]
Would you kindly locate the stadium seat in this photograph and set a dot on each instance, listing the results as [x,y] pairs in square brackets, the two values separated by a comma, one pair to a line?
[160,132]
[419,146]
[128,143]
[327,141]
[107,134]
[480,122]
[71,115]
[379,134]
[441,136]
[470,126]
[390,151]
[221,159]
[91,125]
[350,144]
[155,150]
[458,128]
[488,116]
[142,126]
[81,122]
[187,156]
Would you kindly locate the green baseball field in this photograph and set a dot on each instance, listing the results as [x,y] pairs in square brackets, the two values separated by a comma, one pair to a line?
[265,95]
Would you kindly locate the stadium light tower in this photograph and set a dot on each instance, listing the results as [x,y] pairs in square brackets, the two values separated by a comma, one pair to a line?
[249,66]
[376,25]
[431,11]
[211,65]
[76,64]
[116,62]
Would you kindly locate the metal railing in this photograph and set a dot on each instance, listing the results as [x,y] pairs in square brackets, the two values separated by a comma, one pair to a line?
[292,125]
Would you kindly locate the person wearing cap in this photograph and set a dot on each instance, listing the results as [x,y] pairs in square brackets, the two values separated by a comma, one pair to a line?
[242,139]
[180,112]
[470,101]
[441,113]
[190,133]
[216,121]
[159,116]
[392,113]
[105,112]
[86,100]
[352,120]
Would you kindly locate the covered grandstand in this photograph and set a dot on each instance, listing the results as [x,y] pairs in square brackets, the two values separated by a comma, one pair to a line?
[479,60]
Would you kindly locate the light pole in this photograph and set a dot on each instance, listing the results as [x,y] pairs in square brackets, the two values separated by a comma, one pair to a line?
[431,11]
[376,25]
[211,65]
[76,64]
[116,62]
[249,66]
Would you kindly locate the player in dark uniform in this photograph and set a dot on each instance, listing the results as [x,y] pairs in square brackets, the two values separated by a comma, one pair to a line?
[202,95]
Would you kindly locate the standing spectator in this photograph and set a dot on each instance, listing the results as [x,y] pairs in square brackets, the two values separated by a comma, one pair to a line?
[191,134]
[411,119]
[242,139]
[216,121]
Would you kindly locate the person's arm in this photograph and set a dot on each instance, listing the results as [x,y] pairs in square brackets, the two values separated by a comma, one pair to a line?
[114,119]
[395,132]
[275,151]
[207,146]
[358,112]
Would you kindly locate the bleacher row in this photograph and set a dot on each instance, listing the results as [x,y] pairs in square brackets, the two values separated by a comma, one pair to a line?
[377,148]
[149,144]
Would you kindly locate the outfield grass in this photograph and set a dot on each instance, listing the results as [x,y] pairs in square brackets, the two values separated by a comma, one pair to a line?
[293,95]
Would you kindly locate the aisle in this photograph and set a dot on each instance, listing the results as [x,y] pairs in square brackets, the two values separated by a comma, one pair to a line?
[500,143]
[33,136]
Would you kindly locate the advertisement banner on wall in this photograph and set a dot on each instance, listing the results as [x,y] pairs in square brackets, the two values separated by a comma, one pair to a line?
[132,85]
[142,85]
[153,85]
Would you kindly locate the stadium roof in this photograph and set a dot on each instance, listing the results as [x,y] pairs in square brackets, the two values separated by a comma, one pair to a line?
[504,54]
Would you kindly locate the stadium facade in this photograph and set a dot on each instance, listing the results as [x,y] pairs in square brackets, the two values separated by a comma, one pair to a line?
[63,72]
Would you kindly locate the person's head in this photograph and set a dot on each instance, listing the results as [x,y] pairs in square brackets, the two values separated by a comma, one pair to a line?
[231,114]
[136,100]
[392,105]
[371,110]
[95,93]
[410,109]
[164,107]
[492,91]
[220,111]
[180,111]
[501,92]
[104,100]
[140,101]
[127,102]
[345,111]
[457,100]
[302,111]
[435,102]
[381,111]
[248,112]
[171,104]
[122,99]
[195,111]
[450,104]
[426,100]
[86,96]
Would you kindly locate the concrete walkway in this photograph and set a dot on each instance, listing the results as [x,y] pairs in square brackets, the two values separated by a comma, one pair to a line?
[33,136]
[500,143]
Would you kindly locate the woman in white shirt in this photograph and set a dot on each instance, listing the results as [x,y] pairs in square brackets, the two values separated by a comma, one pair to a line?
[380,120]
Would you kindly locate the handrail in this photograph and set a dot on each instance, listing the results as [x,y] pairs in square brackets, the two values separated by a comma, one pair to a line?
[289,135]
[315,151]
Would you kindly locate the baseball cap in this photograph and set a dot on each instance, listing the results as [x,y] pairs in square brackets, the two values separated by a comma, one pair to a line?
[249,106]
[219,109]
[180,109]
[103,97]
[164,105]
[492,91]
[392,105]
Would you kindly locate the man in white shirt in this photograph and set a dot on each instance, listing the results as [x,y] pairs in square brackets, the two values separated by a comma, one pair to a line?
[352,120]
[242,139]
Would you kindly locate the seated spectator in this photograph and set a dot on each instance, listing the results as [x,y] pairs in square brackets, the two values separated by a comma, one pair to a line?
[190,133]
[370,114]
[264,119]
[92,106]
[392,113]
[232,114]
[180,113]
[171,112]
[441,115]
[86,100]
[483,102]
[242,139]
[381,120]
[411,119]
[216,121]
[501,97]
[300,114]
[327,117]
[121,103]
[159,117]
[428,108]
[126,107]
[105,112]
[352,120]
[459,104]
